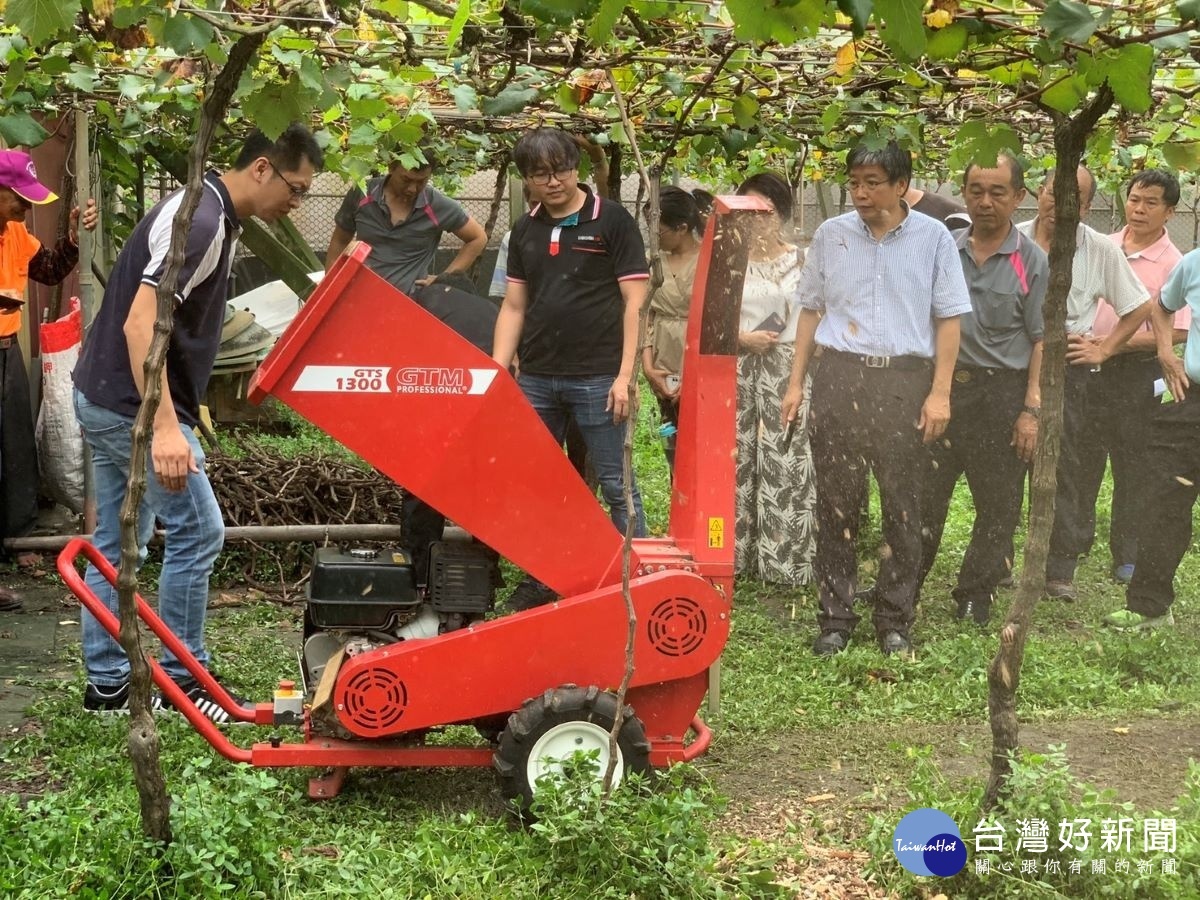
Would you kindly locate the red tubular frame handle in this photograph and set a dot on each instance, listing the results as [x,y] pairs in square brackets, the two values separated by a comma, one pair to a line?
[704,737]
[261,715]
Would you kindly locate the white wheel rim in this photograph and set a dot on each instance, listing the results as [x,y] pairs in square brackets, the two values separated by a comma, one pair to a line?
[561,742]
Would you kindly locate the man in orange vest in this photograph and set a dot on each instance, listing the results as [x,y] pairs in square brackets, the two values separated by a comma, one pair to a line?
[22,256]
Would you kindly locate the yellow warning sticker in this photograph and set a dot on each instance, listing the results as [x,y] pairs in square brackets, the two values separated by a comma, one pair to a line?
[716,532]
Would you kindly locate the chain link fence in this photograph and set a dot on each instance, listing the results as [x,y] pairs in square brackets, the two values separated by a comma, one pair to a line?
[315,217]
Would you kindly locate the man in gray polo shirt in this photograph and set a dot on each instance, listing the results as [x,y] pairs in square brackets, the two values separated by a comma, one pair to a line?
[995,397]
[403,218]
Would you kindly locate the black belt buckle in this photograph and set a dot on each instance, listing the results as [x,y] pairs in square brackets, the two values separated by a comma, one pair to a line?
[6,342]
[876,362]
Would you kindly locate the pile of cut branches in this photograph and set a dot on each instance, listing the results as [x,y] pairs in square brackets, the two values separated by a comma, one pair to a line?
[266,489]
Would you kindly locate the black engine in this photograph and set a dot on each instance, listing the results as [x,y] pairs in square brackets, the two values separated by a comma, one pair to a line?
[365,598]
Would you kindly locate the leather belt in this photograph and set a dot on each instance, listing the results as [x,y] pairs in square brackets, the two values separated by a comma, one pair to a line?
[900,363]
[8,341]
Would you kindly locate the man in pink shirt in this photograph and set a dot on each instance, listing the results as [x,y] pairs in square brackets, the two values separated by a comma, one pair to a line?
[1122,397]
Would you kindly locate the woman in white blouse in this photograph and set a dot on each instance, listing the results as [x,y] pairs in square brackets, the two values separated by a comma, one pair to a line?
[775,537]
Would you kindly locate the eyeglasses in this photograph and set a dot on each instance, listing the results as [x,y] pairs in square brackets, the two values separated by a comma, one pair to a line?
[869,186]
[543,178]
[297,191]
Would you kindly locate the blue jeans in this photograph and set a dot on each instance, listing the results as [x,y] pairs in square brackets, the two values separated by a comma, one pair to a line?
[582,398]
[195,533]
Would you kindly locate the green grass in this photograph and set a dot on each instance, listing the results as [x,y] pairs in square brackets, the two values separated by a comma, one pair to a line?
[411,833]
[288,435]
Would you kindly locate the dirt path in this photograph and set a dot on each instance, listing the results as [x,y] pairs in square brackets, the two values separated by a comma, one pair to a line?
[1144,759]
[820,790]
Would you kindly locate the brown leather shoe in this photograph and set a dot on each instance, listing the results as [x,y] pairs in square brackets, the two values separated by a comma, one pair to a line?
[10,600]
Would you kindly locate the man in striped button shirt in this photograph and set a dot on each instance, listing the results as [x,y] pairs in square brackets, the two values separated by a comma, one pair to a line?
[880,297]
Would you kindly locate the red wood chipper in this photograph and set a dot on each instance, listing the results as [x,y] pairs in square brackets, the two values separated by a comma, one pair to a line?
[385,663]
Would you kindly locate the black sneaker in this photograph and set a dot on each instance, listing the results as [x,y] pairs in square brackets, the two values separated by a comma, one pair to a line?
[530,593]
[204,701]
[978,609]
[893,643]
[106,699]
[830,643]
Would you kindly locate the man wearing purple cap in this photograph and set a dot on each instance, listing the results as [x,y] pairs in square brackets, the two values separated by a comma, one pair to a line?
[22,257]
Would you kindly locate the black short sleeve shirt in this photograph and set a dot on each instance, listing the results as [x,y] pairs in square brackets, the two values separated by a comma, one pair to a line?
[103,373]
[573,269]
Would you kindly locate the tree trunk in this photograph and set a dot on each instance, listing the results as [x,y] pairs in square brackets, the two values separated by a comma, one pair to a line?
[498,197]
[613,174]
[650,183]
[143,737]
[1004,673]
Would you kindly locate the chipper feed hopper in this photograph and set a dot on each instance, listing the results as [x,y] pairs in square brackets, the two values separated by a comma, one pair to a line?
[387,662]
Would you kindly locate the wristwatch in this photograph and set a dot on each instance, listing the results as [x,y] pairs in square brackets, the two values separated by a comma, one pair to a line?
[1035,411]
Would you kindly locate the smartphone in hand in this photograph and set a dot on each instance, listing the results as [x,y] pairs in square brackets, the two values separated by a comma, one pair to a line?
[773,323]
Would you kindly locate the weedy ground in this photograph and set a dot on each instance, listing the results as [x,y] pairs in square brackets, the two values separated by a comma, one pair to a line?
[813,764]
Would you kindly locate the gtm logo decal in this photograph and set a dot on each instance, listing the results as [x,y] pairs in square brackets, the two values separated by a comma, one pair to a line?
[384,380]
[343,379]
[441,380]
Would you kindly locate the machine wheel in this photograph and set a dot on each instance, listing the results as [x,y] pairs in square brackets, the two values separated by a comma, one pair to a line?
[551,728]
[491,727]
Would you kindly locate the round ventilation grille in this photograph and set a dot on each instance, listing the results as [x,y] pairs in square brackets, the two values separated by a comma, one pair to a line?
[375,699]
[677,626]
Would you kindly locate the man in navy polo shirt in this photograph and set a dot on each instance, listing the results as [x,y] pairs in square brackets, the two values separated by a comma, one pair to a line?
[403,218]
[577,279]
[268,180]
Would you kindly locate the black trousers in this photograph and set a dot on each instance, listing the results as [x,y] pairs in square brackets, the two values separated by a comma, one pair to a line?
[421,525]
[865,419]
[984,404]
[1120,408]
[1069,538]
[18,451]
[1172,466]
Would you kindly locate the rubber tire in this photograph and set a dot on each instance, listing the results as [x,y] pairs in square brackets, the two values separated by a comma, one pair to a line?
[559,706]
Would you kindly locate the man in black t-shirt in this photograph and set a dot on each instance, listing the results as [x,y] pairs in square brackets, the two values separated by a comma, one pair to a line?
[268,180]
[577,279]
